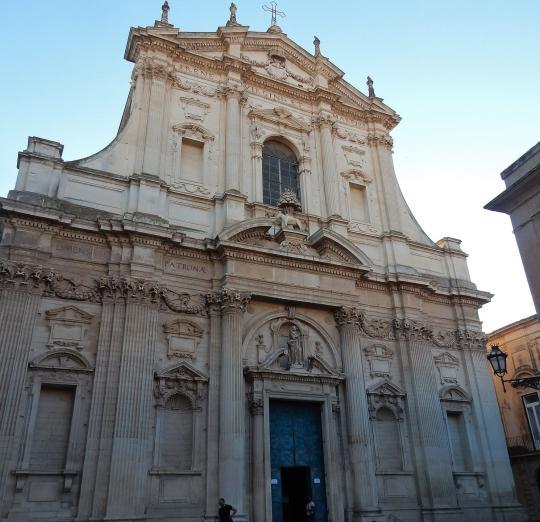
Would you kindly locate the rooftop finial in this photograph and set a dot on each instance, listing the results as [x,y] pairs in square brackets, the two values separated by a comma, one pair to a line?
[232,18]
[371,90]
[165,12]
[317,44]
[272,8]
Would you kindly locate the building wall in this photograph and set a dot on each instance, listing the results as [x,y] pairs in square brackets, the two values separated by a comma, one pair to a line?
[521,341]
[148,291]
[521,201]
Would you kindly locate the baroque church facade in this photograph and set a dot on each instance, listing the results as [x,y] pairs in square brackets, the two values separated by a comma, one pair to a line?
[232,299]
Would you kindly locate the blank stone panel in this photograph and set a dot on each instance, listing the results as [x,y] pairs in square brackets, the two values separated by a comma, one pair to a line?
[176,442]
[388,441]
[191,164]
[458,440]
[51,431]
[359,209]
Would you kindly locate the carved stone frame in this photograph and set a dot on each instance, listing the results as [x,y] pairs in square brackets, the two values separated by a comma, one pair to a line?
[79,378]
[180,379]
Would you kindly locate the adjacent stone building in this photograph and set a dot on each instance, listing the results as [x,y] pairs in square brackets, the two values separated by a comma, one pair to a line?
[521,201]
[520,408]
[233,299]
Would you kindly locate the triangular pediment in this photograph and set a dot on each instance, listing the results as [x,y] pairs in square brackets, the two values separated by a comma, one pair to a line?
[385,388]
[69,313]
[183,372]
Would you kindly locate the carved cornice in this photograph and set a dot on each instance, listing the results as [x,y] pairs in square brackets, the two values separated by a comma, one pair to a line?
[228,300]
[257,374]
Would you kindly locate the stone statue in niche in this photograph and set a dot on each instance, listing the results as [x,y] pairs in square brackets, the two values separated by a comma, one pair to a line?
[294,346]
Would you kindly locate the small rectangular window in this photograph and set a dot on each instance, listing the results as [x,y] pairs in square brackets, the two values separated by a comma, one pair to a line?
[191,163]
[532,410]
[358,203]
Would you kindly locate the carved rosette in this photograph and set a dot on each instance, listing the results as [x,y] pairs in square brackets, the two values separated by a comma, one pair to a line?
[228,300]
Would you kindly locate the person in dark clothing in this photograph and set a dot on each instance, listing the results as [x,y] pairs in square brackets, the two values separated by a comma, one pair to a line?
[226,511]
[310,510]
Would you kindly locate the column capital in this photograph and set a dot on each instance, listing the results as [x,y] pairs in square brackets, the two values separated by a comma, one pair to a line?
[233,90]
[256,405]
[382,140]
[227,300]
[348,316]
[324,119]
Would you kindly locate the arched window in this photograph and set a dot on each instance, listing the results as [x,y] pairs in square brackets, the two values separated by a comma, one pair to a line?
[388,441]
[280,171]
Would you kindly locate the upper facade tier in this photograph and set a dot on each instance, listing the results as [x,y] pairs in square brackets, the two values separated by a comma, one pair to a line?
[217,127]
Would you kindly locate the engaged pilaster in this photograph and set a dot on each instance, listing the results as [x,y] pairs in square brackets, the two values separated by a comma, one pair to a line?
[360,445]
[234,98]
[431,427]
[20,293]
[134,409]
[326,123]
[256,407]
[231,399]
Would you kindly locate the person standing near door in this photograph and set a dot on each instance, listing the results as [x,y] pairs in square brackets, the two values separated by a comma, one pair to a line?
[310,510]
[226,511]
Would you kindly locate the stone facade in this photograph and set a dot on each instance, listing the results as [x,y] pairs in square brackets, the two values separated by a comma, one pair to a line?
[154,307]
[520,408]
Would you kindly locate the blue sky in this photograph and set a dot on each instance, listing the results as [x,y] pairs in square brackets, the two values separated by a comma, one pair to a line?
[463,75]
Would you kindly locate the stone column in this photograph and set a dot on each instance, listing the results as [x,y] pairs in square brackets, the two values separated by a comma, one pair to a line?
[361,452]
[130,459]
[435,459]
[329,166]
[232,140]
[212,462]
[257,412]
[232,402]
[19,302]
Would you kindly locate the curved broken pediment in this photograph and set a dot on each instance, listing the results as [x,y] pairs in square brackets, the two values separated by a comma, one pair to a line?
[323,245]
[64,359]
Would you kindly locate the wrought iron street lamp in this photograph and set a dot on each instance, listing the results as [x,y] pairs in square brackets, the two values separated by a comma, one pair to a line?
[497,359]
